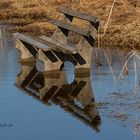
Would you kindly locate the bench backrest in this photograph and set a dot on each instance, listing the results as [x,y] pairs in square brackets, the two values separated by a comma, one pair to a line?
[70,14]
[65,27]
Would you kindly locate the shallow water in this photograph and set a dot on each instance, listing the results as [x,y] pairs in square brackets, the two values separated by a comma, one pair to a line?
[35,106]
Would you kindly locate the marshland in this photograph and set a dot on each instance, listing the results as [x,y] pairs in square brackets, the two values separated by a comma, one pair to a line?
[102,106]
[120,22]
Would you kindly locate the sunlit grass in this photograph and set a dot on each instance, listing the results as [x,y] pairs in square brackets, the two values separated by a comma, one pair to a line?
[123,27]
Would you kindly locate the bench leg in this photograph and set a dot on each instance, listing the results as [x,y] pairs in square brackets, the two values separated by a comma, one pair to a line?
[25,53]
[48,65]
[85,50]
[59,36]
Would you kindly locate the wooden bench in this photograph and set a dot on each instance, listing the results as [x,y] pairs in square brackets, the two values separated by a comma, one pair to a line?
[51,53]
[54,51]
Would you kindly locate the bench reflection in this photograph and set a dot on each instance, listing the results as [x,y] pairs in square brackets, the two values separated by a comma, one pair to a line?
[76,97]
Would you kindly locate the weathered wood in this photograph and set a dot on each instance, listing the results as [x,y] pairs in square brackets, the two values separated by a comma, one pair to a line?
[65,27]
[48,64]
[25,75]
[44,45]
[85,16]
[31,49]
[65,57]
[26,55]
[32,41]
[66,48]
[54,51]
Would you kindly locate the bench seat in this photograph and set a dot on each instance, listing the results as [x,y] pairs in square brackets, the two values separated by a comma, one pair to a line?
[44,43]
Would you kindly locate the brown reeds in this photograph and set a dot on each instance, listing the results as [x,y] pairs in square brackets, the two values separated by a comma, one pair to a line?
[32,16]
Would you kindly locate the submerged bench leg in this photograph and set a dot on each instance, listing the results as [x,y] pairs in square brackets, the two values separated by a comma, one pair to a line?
[25,53]
[48,65]
[85,51]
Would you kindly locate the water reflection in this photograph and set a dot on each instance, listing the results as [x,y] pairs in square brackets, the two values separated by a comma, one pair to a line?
[7,51]
[117,86]
[116,91]
[75,97]
[74,93]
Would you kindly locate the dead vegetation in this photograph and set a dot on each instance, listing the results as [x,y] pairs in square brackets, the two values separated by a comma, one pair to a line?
[123,29]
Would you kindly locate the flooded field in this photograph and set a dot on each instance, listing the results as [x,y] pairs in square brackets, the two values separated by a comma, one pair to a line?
[104,106]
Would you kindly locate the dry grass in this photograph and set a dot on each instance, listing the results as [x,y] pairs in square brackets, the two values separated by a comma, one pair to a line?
[32,16]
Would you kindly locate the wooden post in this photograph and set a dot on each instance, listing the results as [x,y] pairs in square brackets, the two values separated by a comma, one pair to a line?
[58,35]
[25,53]
[48,65]
[85,50]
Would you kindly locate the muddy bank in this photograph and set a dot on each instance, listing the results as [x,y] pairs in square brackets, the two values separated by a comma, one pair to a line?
[33,16]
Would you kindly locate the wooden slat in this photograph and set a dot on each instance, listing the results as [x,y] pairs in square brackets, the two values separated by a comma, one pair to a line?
[50,56]
[42,44]
[30,48]
[85,16]
[81,31]
[65,57]
[79,58]
[31,40]
[70,48]
[29,78]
